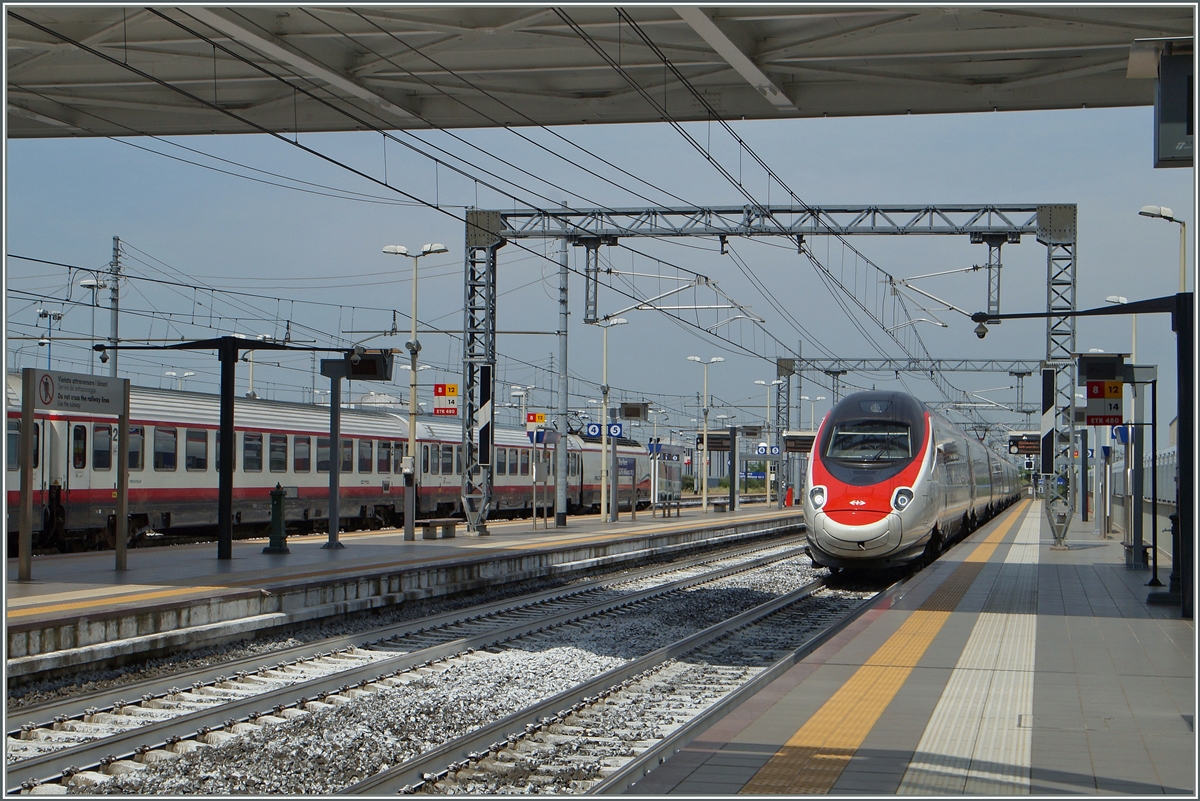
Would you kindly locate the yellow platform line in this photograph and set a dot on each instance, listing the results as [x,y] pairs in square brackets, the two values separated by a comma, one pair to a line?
[813,758]
[141,596]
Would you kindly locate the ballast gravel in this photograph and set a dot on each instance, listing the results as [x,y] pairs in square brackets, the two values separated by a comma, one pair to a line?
[324,751]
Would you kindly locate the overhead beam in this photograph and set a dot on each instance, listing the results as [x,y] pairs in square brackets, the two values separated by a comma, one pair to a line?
[703,25]
[274,48]
[921,365]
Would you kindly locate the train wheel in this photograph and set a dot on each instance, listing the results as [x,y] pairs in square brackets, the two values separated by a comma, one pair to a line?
[933,548]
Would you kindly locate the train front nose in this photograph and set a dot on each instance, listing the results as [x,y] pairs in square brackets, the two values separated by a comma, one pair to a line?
[855,533]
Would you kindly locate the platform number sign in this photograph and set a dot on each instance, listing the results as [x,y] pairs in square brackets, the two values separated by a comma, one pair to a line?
[534,420]
[1103,403]
[592,430]
[445,400]
[616,430]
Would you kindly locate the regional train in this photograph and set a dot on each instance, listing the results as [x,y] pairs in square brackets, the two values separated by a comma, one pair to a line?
[892,483]
[173,457]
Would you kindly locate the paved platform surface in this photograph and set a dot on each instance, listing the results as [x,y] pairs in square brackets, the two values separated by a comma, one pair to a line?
[74,585]
[1005,668]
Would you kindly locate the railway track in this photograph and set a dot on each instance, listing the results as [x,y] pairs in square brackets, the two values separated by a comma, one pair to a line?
[173,721]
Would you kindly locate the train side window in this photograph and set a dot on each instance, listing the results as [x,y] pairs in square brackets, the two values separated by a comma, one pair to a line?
[347,455]
[501,461]
[137,439]
[302,455]
[166,448]
[399,451]
[195,449]
[383,462]
[37,443]
[524,462]
[458,460]
[435,459]
[277,453]
[13,445]
[79,447]
[366,455]
[252,452]
[217,452]
[323,454]
[424,458]
[513,456]
[101,447]
[447,460]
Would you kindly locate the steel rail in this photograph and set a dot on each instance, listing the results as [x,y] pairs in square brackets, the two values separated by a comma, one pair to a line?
[410,775]
[51,766]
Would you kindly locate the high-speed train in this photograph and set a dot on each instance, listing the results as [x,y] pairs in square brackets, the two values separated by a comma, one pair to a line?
[890,482]
[173,457]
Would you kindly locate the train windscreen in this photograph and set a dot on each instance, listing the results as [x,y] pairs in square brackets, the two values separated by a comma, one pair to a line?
[870,442]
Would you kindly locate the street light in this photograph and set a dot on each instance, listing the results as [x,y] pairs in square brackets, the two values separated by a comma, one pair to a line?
[1121,299]
[409,464]
[604,460]
[704,439]
[1164,213]
[179,378]
[812,408]
[94,284]
[767,429]
[51,317]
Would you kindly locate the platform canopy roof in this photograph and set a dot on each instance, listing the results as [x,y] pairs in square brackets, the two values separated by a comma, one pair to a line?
[111,70]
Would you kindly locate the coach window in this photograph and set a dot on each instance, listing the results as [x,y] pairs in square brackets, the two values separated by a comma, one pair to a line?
[302,455]
[101,447]
[501,461]
[424,458]
[323,454]
[79,447]
[399,451]
[195,449]
[447,460]
[252,453]
[347,455]
[513,456]
[524,462]
[217,452]
[366,454]
[383,463]
[277,453]
[166,448]
[435,459]
[137,439]
[458,460]
[13,445]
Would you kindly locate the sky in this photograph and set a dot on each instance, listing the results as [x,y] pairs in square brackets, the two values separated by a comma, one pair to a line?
[316,260]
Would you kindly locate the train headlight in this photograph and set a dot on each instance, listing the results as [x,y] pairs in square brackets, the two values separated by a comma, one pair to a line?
[901,499]
[816,496]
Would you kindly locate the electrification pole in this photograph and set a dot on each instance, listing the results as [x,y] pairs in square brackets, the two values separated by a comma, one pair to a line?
[114,301]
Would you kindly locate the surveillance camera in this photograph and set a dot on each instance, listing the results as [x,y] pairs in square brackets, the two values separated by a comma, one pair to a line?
[355,357]
[104,357]
[412,346]
[981,330]
[43,342]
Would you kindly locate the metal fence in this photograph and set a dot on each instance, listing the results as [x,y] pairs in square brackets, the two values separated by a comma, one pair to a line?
[1166,467]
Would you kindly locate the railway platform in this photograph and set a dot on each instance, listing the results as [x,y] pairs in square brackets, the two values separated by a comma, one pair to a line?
[79,610]
[1004,668]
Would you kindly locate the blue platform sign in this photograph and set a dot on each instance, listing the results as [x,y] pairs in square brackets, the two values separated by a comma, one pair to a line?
[592,430]
[616,430]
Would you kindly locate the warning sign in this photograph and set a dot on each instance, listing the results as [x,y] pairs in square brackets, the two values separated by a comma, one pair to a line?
[77,392]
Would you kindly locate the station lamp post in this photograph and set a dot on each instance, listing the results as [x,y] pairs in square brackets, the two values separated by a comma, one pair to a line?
[604,460]
[179,379]
[1121,299]
[704,436]
[94,284]
[1164,213]
[812,408]
[409,464]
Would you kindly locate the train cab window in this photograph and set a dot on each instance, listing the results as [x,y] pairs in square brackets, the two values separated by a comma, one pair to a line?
[870,442]
[195,449]
[347,455]
[166,448]
[277,453]
[323,454]
[79,447]
[302,455]
[524,462]
[447,460]
[424,458]
[458,460]
[366,454]
[102,447]
[501,461]
[383,462]
[137,449]
[252,452]
[513,455]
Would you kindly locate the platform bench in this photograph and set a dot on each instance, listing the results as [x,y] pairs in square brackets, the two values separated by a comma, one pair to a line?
[430,526]
[720,506]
